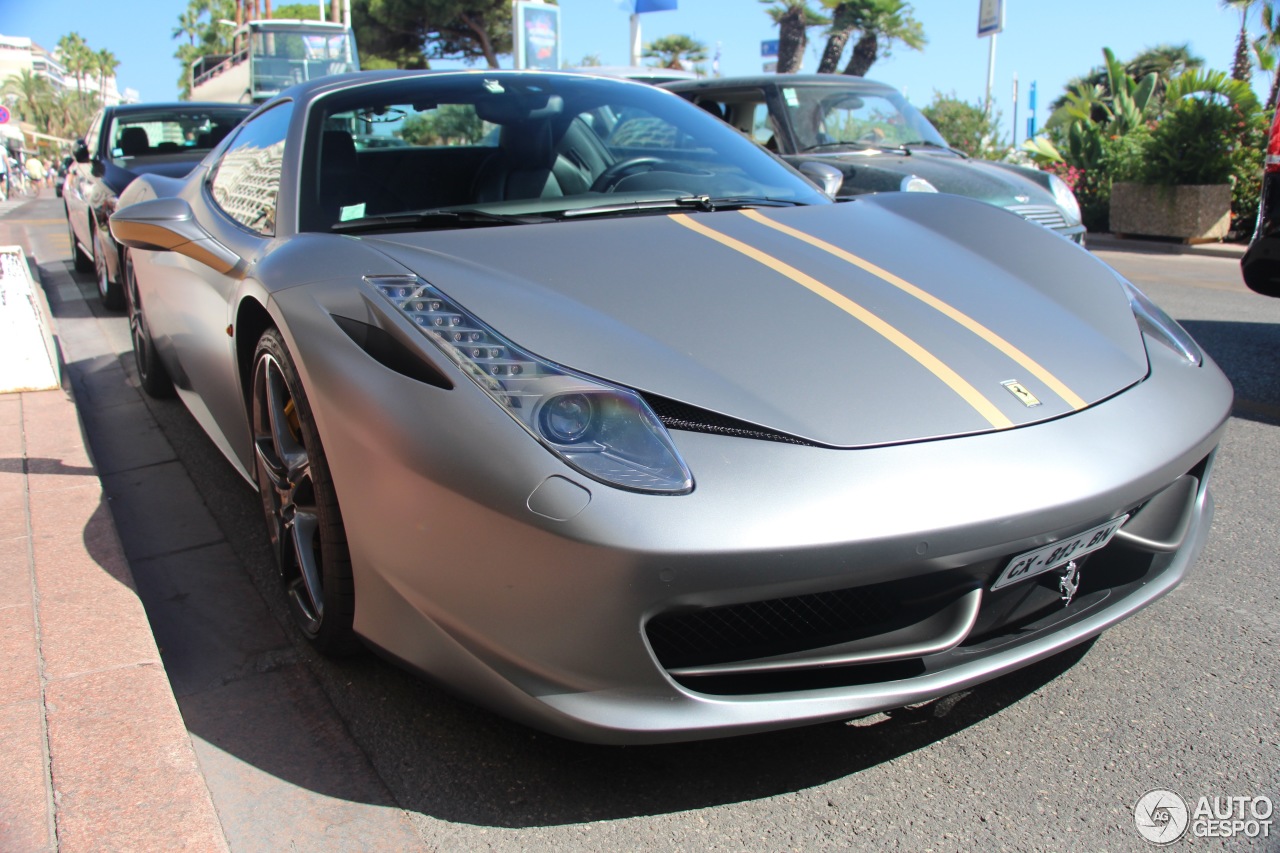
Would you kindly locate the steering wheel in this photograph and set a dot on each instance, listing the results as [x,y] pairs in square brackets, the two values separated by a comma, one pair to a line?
[621,169]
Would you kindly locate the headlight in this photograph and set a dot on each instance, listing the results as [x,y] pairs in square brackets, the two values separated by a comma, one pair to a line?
[916,184]
[1154,322]
[606,432]
[1065,198]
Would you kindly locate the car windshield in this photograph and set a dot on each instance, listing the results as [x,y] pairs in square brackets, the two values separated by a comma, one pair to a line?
[188,134]
[830,117]
[524,146]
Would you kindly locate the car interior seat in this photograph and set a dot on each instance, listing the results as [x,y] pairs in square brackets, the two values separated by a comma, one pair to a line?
[134,141]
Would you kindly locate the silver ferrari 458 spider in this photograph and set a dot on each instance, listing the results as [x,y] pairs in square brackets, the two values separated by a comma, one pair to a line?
[574,398]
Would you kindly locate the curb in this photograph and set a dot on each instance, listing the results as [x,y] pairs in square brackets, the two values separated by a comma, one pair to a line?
[98,753]
[1155,246]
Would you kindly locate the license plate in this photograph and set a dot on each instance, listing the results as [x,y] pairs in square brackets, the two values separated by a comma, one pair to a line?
[1059,553]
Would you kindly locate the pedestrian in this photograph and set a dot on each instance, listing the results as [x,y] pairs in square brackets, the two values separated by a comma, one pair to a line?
[35,171]
[4,173]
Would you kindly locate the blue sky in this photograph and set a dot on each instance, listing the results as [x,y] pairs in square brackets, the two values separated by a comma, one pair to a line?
[1048,42]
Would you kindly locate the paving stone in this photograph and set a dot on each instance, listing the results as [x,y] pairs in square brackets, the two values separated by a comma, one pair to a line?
[127,777]
[26,798]
[157,512]
[211,625]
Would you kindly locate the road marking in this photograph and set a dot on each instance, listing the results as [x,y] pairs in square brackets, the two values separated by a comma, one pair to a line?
[1027,362]
[926,359]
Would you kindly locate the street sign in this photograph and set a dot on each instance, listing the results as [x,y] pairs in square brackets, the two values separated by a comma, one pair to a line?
[4,115]
[769,49]
[990,17]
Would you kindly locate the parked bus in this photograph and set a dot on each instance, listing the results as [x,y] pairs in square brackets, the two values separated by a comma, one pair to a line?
[272,55]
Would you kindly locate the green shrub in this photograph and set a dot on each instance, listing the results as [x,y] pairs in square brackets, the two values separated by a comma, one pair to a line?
[1193,144]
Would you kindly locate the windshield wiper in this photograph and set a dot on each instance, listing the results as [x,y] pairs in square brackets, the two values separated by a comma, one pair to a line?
[686,202]
[442,218]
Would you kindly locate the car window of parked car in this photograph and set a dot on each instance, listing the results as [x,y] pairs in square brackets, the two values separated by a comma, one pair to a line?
[179,134]
[822,116]
[246,178]
[542,145]
[91,136]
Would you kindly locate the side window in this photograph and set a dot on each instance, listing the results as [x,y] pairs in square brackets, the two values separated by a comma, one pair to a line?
[91,136]
[246,180]
[762,127]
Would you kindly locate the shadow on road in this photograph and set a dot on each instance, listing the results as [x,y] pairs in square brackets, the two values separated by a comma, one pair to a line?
[1249,354]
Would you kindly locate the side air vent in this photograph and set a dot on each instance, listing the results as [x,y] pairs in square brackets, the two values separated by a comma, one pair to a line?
[675,415]
[391,353]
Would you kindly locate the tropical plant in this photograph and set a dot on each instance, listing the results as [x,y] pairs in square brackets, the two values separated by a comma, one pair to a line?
[1241,67]
[1265,49]
[409,33]
[879,24]
[675,50]
[1165,60]
[966,127]
[77,58]
[105,63]
[794,18]
[34,95]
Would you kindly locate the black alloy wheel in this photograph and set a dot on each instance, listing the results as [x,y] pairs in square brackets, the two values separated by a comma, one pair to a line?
[304,522]
[152,375]
[111,293]
[83,262]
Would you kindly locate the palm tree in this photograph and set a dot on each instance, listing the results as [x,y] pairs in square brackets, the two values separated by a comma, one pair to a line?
[107,63]
[75,56]
[673,51]
[793,17]
[188,25]
[1241,68]
[35,94]
[1265,49]
[881,23]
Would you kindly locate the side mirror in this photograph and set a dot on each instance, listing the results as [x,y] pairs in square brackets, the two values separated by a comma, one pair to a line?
[80,151]
[828,178]
[168,225]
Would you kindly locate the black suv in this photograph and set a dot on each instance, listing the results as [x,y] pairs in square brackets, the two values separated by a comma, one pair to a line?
[125,141]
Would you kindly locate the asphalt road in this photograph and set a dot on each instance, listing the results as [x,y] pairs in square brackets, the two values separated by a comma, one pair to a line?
[301,752]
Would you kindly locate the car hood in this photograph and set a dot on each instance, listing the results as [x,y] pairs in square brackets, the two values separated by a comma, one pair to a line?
[950,173]
[890,318]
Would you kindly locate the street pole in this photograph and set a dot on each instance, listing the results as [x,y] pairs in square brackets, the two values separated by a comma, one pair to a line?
[1015,109]
[635,39]
[991,73]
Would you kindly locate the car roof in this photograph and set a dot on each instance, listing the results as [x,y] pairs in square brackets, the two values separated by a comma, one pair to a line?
[844,81]
[175,106]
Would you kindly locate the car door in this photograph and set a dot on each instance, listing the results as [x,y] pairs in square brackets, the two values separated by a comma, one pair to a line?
[193,310]
[76,193]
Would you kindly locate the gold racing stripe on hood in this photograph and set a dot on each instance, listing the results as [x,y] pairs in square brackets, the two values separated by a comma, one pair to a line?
[1034,367]
[926,359]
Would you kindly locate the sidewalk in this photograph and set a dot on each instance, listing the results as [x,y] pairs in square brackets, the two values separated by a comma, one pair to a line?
[1112,243]
[96,753]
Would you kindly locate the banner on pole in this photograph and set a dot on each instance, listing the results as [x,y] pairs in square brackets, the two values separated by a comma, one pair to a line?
[537,35]
[990,17]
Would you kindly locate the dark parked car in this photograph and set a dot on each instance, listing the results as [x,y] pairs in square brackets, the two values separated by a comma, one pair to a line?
[125,141]
[600,414]
[1261,262]
[877,140]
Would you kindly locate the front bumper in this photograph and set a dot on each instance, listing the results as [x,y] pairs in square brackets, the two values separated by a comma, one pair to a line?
[485,563]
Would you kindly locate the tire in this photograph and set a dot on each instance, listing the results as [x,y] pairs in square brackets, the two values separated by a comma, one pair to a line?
[83,262]
[299,502]
[152,375]
[110,292]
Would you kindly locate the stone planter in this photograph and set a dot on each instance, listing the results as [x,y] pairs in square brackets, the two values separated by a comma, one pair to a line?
[1193,214]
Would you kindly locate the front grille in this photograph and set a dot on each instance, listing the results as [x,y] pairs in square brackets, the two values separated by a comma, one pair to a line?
[779,626]
[1049,217]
